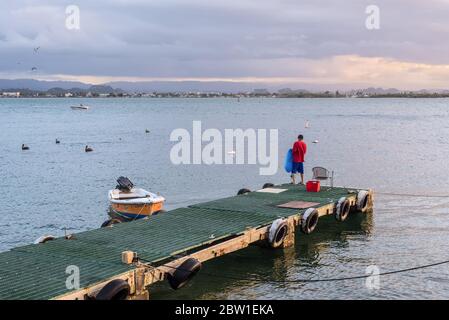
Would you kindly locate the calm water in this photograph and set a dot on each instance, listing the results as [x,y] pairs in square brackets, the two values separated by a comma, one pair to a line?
[391,145]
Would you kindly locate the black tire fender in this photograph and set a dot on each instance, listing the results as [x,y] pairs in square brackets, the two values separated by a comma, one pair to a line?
[268,185]
[44,239]
[343,207]
[309,220]
[243,191]
[184,273]
[363,200]
[117,289]
[110,222]
[277,233]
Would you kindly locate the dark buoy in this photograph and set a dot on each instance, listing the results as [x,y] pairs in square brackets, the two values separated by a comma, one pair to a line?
[88,149]
[25,147]
[57,141]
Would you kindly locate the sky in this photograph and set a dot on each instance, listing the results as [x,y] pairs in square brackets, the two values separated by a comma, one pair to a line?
[302,43]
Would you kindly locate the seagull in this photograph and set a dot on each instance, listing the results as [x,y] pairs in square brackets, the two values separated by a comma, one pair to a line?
[315,141]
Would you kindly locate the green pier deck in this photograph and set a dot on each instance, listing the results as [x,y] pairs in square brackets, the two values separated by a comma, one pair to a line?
[38,271]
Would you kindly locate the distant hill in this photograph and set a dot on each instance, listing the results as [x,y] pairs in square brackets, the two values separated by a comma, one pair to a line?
[183,86]
[102,89]
[288,91]
[381,91]
[118,87]
[125,86]
[40,85]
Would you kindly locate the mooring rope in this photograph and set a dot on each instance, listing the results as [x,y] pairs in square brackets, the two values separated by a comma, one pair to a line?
[313,280]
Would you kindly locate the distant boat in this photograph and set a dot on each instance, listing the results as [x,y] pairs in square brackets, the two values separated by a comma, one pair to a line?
[80,107]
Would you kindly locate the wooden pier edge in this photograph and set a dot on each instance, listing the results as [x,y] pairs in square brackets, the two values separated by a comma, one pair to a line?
[144,275]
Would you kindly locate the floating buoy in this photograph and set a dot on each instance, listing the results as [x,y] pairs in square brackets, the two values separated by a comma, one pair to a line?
[315,141]
[25,147]
[88,149]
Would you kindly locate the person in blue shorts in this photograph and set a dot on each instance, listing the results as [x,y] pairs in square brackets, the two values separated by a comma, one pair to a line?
[299,152]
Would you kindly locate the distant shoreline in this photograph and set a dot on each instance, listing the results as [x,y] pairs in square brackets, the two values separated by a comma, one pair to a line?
[235,97]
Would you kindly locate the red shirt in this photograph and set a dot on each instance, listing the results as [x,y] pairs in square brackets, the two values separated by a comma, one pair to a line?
[299,151]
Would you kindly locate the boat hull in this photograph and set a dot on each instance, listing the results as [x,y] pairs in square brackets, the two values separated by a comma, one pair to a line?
[80,108]
[136,211]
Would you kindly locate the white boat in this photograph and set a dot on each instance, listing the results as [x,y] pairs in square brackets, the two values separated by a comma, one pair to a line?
[80,107]
[134,203]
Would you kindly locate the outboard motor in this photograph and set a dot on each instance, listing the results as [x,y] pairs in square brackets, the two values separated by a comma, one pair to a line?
[124,184]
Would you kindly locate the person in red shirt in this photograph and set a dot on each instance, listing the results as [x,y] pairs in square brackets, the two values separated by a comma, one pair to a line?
[299,151]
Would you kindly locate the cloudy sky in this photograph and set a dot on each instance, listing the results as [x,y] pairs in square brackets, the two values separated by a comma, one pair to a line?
[322,43]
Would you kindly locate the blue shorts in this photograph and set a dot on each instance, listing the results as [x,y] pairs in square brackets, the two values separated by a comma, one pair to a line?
[298,167]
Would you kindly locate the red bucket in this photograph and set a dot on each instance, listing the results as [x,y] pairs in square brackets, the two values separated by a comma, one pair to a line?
[313,186]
